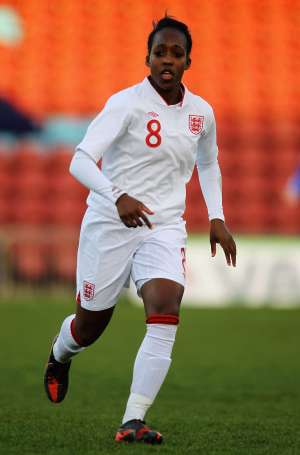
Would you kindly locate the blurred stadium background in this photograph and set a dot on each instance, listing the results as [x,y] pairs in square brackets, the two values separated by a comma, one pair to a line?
[234,386]
[61,61]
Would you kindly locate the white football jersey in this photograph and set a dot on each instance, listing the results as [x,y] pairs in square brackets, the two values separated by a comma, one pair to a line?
[149,150]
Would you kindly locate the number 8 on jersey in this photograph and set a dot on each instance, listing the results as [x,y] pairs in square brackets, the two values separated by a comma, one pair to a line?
[153,139]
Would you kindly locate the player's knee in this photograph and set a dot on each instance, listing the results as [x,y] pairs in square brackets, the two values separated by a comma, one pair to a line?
[162,297]
[165,306]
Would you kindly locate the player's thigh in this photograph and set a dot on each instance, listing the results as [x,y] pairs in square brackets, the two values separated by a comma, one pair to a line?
[103,262]
[158,269]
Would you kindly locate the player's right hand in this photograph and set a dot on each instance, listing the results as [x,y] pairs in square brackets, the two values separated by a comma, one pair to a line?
[132,212]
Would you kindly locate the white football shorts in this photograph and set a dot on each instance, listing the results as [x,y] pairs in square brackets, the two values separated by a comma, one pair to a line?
[109,254]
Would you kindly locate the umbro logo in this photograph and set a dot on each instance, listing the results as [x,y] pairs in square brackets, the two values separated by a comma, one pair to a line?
[153,114]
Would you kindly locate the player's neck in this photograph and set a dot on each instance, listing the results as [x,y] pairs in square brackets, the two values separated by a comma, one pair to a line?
[172,96]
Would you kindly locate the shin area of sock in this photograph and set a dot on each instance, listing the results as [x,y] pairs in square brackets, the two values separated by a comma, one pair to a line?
[150,369]
[66,346]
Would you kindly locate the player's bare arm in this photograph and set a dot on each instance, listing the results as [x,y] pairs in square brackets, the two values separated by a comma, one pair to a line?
[131,211]
[219,233]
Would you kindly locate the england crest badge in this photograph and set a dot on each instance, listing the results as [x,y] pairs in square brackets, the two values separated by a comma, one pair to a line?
[196,123]
[88,290]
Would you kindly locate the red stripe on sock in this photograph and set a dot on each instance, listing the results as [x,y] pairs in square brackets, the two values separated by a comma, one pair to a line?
[76,338]
[162,319]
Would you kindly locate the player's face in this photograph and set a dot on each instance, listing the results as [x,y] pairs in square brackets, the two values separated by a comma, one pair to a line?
[168,58]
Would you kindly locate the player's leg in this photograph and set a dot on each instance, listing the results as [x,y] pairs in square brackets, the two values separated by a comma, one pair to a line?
[161,256]
[162,296]
[103,267]
[162,299]
[89,325]
[79,331]
[76,333]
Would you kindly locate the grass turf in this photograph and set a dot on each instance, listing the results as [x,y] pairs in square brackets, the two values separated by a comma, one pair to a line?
[234,387]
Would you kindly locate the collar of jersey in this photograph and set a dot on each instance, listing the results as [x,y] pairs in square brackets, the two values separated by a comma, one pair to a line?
[150,90]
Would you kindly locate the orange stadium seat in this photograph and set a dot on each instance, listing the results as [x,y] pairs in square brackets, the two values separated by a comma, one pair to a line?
[63,258]
[6,211]
[78,62]
[30,185]
[58,161]
[27,157]
[30,262]
[251,79]
[66,212]
[5,184]
[65,185]
[30,212]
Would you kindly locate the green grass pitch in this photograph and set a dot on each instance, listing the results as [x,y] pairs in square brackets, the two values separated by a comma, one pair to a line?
[233,388]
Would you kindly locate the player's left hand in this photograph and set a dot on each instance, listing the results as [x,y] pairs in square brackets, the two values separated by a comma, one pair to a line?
[220,234]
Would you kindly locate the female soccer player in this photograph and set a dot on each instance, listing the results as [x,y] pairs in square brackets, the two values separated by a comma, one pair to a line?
[149,138]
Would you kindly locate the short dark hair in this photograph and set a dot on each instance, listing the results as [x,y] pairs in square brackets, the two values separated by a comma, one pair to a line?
[169,21]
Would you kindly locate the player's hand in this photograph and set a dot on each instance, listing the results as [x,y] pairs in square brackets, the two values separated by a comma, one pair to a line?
[220,234]
[132,212]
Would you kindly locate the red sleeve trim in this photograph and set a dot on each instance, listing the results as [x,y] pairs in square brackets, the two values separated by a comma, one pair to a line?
[162,319]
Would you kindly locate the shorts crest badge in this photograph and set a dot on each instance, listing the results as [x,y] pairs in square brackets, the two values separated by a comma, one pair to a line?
[196,123]
[88,290]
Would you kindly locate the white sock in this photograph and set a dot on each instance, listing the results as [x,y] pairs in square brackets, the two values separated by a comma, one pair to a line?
[150,369]
[65,346]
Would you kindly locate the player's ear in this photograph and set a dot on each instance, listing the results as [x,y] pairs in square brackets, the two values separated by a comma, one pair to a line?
[147,60]
[187,63]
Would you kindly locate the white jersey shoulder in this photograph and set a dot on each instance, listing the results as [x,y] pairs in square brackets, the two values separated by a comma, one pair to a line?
[198,102]
[125,99]
[109,125]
